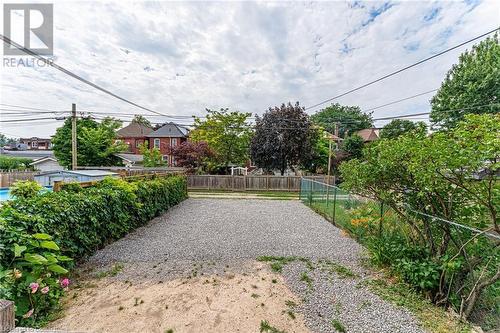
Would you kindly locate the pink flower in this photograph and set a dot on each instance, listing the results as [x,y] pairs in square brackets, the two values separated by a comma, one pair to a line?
[64,282]
[28,314]
[45,290]
[34,287]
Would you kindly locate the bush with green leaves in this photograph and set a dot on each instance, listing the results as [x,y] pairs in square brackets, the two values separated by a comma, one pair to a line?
[451,175]
[32,273]
[15,163]
[25,189]
[80,221]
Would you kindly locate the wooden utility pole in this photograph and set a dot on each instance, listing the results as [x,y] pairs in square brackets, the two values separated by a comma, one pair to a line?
[73,137]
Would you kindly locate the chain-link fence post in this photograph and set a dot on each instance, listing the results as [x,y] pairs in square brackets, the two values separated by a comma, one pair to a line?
[311,193]
[334,203]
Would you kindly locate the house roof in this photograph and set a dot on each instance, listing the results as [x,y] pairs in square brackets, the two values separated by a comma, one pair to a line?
[43,159]
[133,158]
[369,134]
[169,130]
[134,129]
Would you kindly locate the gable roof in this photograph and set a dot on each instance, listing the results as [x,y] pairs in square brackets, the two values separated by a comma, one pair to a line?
[134,129]
[43,159]
[169,130]
[369,134]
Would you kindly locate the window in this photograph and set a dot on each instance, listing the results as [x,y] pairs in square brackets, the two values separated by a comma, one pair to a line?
[34,144]
[157,143]
[174,162]
[174,141]
[138,143]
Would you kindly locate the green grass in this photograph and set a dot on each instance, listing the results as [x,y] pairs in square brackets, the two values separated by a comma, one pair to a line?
[338,326]
[341,271]
[433,318]
[277,263]
[266,327]
[304,277]
[115,269]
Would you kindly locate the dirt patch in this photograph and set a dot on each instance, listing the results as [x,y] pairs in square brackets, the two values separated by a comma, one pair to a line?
[234,302]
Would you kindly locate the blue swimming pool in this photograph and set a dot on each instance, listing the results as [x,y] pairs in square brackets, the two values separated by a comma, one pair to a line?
[5,193]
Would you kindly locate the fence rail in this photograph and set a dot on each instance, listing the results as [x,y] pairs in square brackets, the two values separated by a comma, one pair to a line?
[248,183]
[8,178]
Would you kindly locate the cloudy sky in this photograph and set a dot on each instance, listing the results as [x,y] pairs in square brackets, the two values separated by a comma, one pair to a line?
[179,58]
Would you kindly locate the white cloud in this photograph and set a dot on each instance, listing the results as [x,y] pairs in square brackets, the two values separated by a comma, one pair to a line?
[180,58]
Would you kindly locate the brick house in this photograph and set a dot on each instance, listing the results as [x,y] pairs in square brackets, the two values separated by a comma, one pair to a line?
[134,135]
[168,135]
[35,143]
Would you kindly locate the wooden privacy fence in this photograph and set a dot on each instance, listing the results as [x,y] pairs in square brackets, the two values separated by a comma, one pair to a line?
[7,178]
[248,183]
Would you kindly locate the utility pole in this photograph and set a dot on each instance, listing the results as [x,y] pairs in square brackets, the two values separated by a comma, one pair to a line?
[73,137]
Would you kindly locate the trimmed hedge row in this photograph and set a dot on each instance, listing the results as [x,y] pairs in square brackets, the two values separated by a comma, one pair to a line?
[82,220]
[41,234]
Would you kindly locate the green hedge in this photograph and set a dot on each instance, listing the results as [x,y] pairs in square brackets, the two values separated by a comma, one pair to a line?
[39,235]
[14,163]
[82,220]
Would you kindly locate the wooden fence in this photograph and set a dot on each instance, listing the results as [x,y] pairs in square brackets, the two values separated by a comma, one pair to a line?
[7,178]
[248,183]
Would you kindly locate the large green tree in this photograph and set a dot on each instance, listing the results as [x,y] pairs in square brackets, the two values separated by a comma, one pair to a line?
[469,85]
[284,137]
[399,127]
[349,118]
[227,134]
[96,142]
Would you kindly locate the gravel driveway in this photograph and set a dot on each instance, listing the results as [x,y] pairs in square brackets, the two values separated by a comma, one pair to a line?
[227,232]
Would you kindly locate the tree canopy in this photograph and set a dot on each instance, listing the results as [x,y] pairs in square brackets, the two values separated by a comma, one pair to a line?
[95,141]
[353,146]
[227,134]
[399,127]
[192,155]
[284,137]
[140,119]
[469,85]
[350,119]
[151,157]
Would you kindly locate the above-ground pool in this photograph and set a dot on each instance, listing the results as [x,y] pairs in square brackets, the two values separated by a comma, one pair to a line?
[5,193]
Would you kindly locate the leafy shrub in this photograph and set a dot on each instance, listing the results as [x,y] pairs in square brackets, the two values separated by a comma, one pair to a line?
[14,163]
[25,189]
[31,273]
[80,221]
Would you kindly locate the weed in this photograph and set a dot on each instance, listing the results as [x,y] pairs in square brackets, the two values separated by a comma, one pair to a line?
[290,303]
[307,279]
[339,327]
[115,269]
[274,281]
[169,331]
[364,305]
[254,295]
[341,271]
[120,308]
[277,262]
[266,327]
[291,314]
[432,318]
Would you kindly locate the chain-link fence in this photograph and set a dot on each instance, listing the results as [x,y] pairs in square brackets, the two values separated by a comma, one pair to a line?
[454,261]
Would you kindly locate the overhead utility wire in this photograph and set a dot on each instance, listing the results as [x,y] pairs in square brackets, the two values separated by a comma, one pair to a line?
[8,41]
[400,70]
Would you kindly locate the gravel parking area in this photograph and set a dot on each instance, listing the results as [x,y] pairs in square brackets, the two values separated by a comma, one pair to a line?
[218,235]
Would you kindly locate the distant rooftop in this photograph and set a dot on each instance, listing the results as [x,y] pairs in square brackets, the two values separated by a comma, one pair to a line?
[134,129]
[169,130]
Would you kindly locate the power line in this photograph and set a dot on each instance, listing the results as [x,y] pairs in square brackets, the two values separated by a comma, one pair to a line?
[8,41]
[401,100]
[400,70]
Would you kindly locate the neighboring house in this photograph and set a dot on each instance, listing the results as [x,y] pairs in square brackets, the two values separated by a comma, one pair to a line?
[48,178]
[130,160]
[47,163]
[134,135]
[369,134]
[36,143]
[167,136]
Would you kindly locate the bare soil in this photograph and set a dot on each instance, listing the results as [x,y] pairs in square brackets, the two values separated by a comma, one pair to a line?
[233,302]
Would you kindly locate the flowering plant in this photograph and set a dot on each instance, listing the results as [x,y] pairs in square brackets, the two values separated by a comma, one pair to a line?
[35,278]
